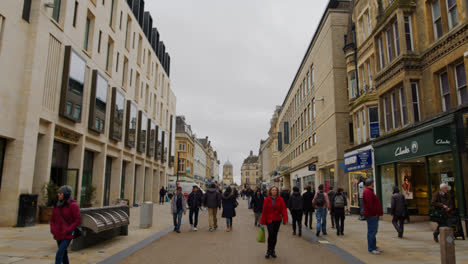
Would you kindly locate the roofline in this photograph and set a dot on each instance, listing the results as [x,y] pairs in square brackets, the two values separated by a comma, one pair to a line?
[311,44]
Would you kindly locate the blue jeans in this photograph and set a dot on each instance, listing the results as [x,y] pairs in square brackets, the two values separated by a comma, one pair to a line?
[62,253]
[177,219]
[229,221]
[372,227]
[321,215]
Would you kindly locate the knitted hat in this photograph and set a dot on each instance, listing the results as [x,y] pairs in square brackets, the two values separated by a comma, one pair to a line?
[66,190]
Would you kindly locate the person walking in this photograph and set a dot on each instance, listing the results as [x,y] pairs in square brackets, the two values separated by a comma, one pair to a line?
[331,195]
[63,222]
[441,200]
[257,205]
[194,202]
[178,206]
[308,207]
[296,207]
[285,194]
[361,188]
[162,195]
[249,193]
[339,204]
[212,200]
[399,211]
[372,212]
[229,207]
[274,210]
[321,204]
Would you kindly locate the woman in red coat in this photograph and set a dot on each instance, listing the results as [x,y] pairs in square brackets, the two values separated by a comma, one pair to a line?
[65,218]
[274,210]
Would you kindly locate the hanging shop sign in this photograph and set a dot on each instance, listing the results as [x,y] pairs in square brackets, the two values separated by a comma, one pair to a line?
[441,135]
[359,161]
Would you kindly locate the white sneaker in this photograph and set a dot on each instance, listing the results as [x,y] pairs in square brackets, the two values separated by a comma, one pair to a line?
[195,229]
[375,252]
[191,226]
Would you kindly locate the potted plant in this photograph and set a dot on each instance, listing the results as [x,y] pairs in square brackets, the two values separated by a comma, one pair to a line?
[89,195]
[49,198]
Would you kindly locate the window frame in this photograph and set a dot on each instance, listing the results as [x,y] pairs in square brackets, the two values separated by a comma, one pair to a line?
[403,106]
[434,20]
[381,53]
[444,102]
[415,88]
[457,84]
[408,21]
[449,17]
[396,39]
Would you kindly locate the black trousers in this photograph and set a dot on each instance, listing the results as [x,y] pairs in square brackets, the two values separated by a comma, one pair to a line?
[399,222]
[273,229]
[440,224]
[161,199]
[339,221]
[332,217]
[193,212]
[297,219]
[308,216]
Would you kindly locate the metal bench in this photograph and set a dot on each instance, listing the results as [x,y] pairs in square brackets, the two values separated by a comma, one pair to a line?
[101,223]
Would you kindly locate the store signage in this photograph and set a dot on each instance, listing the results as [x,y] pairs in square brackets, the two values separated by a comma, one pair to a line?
[66,134]
[404,150]
[359,161]
[312,167]
[374,130]
[441,135]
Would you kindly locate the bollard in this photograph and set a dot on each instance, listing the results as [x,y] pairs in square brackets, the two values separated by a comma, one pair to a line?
[447,246]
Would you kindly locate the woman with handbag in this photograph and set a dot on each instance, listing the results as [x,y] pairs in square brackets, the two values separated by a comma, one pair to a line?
[64,223]
[229,207]
[274,210]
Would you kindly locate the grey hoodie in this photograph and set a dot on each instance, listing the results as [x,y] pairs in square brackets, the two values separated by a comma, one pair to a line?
[212,198]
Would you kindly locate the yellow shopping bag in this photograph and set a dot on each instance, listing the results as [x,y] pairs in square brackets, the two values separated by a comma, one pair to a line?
[261,235]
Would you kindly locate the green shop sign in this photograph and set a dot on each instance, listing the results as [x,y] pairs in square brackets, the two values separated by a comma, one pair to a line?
[434,141]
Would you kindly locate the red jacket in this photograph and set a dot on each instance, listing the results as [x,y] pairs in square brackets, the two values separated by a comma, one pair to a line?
[277,213]
[372,205]
[59,227]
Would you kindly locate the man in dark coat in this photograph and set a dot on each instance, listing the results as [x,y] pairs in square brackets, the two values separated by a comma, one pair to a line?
[442,200]
[399,211]
[257,205]
[162,195]
[212,200]
[285,194]
[295,205]
[308,207]
[331,196]
[195,200]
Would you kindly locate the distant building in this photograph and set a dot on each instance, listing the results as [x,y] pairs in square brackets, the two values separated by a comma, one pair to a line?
[250,171]
[228,177]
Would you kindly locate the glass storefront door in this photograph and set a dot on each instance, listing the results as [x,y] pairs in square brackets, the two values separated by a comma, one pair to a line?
[107,181]
[328,178]
[60,174]
[412,182]
[388,182]
[441,170]
[354,180]
[88,164]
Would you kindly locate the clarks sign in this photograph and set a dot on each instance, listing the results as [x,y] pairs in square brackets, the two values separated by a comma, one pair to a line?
[403,150]
[442,142]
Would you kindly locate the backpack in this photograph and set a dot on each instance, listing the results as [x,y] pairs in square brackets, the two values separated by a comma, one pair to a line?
[339,201]
[320,200]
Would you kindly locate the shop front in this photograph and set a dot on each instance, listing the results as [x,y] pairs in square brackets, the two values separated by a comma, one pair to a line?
[417,161]
[303,177]
[359,166]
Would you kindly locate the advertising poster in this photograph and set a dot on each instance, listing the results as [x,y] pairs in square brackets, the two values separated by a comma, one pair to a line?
[406,182]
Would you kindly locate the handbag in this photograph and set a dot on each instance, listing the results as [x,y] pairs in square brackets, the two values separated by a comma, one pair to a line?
[436,215]
[77,231]
[236,203]
[261,235]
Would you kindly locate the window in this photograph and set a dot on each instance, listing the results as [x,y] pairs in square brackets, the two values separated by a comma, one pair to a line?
[415,101]
[314,138]
[389,45]
[396,37]
[125,73]
[112,14]
[87,33]
[409,33]
[312,74]
[137,86]
[120,22]
[404,113]
[131,124]
[127,33]
[140,43]
[358,128]
[445,91]
[133,44]
[75,11]
[2,28]
[110,55]
[2,157]
[460,77]
[181,147]
[56,10]
[369,72]
[181,165]
[387,113]
[117,63]
[452,13]
[381,53]
[98,103]
[117,115]
[353,83]
[99,42]
[368,23]
[436,20]
[363,30]
[309,114]
[394,111]
[363,76]
[72,85]
[373,122]
[350,131]
[364,127]
[27,10]
[143,130]
[314,113]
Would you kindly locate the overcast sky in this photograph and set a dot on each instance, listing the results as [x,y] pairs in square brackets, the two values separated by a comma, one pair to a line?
[232,62]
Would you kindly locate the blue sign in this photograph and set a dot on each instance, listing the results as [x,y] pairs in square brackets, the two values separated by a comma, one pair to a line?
[374,130]
[360,161]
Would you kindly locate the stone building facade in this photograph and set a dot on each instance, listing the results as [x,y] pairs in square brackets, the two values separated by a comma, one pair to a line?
[268,152]
[250,173]
[313,122]
[228,177]
[184,159]
[88,101]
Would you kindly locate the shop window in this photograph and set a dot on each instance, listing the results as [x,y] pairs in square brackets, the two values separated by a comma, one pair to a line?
[98,102]
[388,182]
[151,138]
[445,91]
[2,158]
[441,169]
[131,124]
[452,13]
[412,182]
[409,33]
[117,115]
[436,20]
[142,130]
[415,101]
[73,79]
[403,110]
[460,77]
